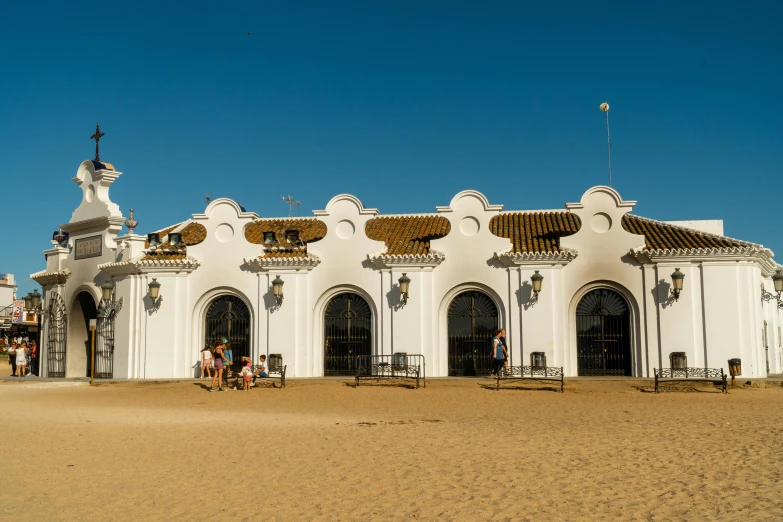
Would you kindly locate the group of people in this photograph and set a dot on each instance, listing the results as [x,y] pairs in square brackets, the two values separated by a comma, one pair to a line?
[22,357]
[220,358]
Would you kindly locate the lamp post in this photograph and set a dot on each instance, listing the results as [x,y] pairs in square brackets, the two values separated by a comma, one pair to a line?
[777,280]
[677,279]
[405,285]
[277,290]
[536,280]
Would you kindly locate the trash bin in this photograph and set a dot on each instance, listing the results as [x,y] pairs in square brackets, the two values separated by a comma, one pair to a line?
[538,359]
[399,361]
[275,360]
[678,360]
[735,367]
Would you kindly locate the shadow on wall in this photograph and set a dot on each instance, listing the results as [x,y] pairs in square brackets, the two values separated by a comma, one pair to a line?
[394,297]
[270,301]
[525,295]
[662,294]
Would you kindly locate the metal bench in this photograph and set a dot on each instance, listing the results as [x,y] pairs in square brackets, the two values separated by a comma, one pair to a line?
[534,373]
[273,374]
[395,366]
[686,374]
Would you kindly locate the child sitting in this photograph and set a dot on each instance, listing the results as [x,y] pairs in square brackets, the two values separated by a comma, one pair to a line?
[261,370]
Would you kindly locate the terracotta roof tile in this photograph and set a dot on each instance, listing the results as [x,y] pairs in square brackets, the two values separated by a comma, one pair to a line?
[407,234]
[310,230]
[663,236]
[535,232]
[192,234]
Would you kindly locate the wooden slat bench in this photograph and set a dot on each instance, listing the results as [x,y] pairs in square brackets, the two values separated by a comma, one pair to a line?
[534,373]
[714,375]
[396,366]
[273,374]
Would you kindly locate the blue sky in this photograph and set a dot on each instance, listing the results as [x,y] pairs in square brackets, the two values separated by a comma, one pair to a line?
[400,103]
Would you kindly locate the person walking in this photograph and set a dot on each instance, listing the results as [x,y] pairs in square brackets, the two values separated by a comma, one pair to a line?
[499,354]
[21,359]
[12,357]
[217,355]
[206,362]
[33,357]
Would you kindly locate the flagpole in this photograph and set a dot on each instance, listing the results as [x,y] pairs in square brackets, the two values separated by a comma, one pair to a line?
[605,108]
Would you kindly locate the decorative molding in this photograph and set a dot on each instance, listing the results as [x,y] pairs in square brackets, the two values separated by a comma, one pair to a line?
[112,222]
[432,259]
[602,189]
[140,265]
[470,193]
[562,258]
[306,262]
[751,253]
[346,197]
[44,278]
[241,214]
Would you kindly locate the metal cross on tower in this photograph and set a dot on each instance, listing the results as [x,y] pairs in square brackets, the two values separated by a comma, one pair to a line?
[97,137]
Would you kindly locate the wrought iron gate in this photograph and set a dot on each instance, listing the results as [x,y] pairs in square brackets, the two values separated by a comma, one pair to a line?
[229,317]
[472,318]
[603,341]
[347,333]
[56,336]
[104,339]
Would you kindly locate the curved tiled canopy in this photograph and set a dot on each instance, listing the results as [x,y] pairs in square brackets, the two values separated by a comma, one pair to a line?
[407,235]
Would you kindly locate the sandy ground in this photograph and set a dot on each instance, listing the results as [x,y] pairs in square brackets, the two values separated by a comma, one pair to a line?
[322,450]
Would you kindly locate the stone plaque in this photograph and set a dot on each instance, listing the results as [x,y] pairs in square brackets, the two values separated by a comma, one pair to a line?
[88,247]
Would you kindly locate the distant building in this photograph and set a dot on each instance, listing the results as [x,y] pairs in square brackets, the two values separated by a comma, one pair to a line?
[606,306]
[7,296]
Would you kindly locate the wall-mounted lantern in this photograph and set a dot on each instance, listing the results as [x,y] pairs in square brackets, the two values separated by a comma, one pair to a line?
[154,289]
[35,300]
[536,280]
[677,279]
[405,286]
[28,302]
[107,291]
[277,290]
[777,280]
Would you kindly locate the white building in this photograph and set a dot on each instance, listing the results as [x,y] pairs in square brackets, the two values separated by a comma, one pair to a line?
[606,306]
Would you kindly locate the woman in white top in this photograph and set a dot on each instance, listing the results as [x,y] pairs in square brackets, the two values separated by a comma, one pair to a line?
[21,359]
[206,362]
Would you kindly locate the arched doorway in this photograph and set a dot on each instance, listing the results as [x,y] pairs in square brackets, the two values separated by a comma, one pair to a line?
[347,333]
[78,361]
[603,334]
[229,317]
[472,318]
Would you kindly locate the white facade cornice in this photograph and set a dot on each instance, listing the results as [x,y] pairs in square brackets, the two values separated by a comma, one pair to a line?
[749,253]
[561,258]
[141,265]
[44,278]
[112,222]
[264,264]
[432,259]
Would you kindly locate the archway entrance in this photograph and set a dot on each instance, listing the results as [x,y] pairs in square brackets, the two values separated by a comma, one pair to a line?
[603,334]
[472,318]
[347,333]
[79,347]
[228,316]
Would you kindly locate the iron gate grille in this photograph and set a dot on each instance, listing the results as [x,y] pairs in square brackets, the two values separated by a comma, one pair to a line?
[472,318]
[602,334]
[229,317]
[56,335]
[104,339]
[347,333]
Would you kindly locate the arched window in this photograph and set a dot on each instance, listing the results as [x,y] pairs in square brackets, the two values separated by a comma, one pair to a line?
[229,317]
[347,333]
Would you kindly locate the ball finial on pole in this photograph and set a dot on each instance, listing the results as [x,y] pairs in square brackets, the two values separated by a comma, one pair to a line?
[605,108]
